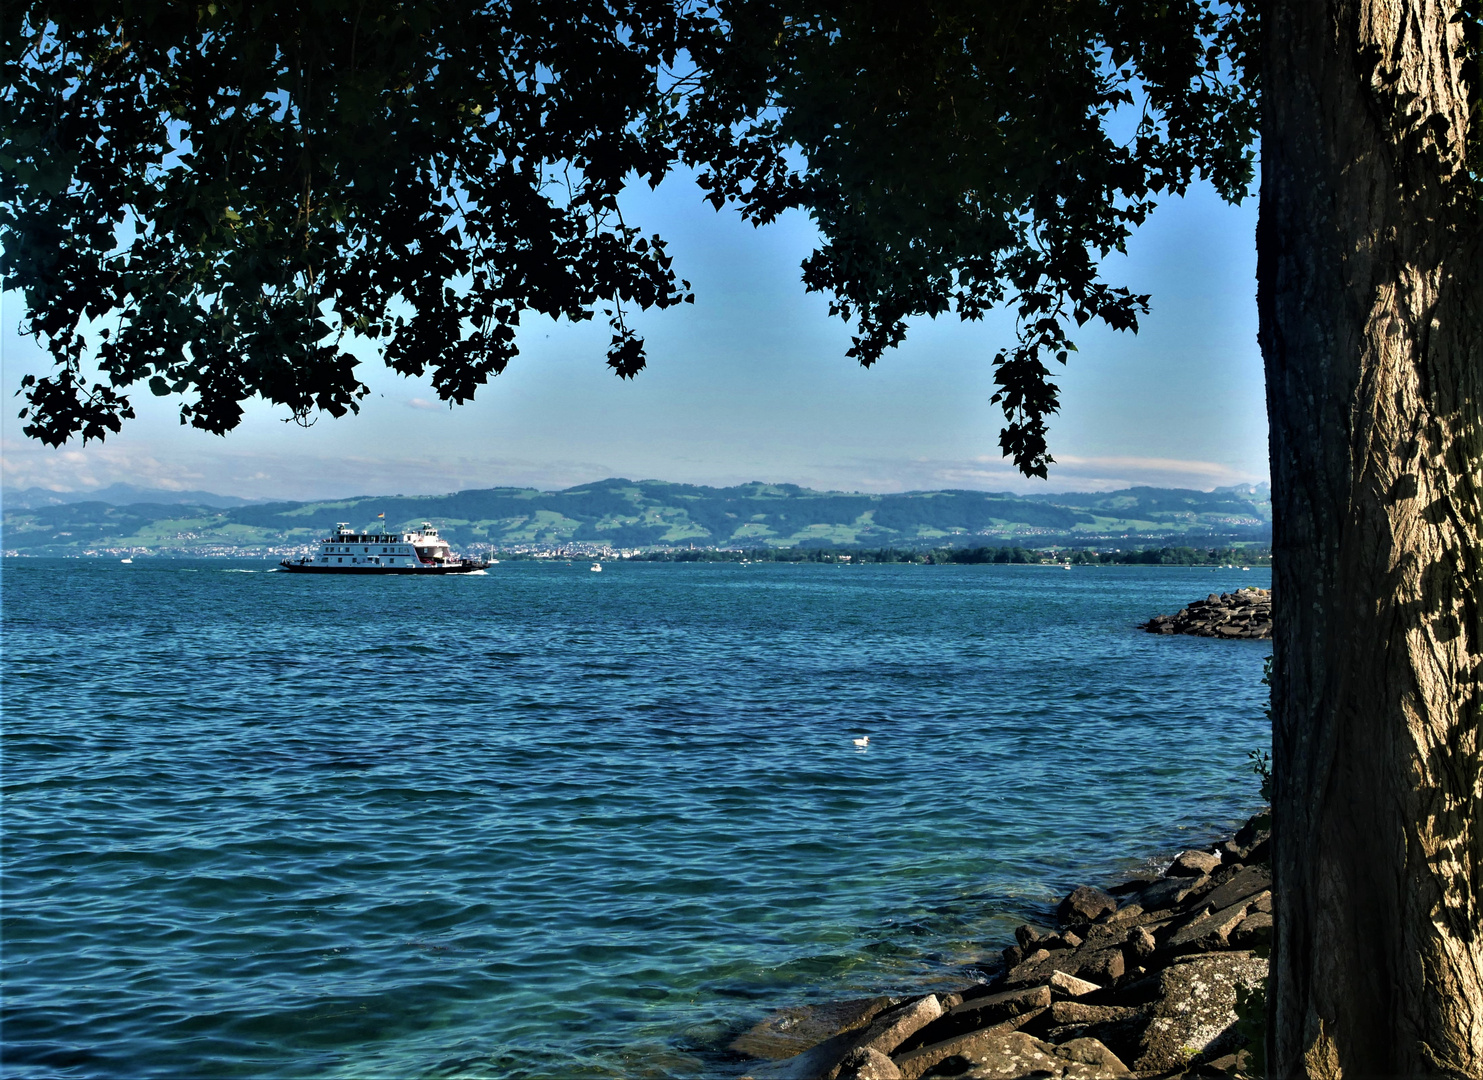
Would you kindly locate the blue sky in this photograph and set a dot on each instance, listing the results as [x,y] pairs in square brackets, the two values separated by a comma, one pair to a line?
[751,383]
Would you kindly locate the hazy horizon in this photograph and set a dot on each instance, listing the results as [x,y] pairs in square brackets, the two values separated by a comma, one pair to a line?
[14,490]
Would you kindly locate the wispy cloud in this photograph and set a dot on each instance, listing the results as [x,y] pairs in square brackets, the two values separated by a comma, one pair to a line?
[1165,466]
[323,473]
[425,405]
[1070,472]
[24,463]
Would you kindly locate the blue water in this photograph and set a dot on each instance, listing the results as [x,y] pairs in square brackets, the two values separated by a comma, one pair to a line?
[551,823]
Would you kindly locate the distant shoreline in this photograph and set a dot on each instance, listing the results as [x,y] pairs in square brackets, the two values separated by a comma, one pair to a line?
[1188,558]
[621,517]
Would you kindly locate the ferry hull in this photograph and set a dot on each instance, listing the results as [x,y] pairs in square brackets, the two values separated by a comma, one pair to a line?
[410,571]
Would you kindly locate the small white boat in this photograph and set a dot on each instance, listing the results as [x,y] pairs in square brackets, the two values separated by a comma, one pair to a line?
[126,560]
[597,568]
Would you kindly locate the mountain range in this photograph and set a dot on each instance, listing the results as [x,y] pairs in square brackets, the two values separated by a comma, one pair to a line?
[621,513]
[33,498]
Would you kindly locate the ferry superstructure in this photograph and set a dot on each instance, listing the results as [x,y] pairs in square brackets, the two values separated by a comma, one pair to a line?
[347,552]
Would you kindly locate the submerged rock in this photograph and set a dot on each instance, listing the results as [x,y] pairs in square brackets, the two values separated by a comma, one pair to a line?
[790,1032]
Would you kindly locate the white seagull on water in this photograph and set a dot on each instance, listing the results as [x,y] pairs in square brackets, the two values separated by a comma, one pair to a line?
[863,741]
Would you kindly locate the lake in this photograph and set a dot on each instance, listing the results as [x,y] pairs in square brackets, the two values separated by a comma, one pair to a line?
[549,823]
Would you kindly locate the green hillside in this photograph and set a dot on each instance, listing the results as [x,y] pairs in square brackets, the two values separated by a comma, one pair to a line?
[621,513]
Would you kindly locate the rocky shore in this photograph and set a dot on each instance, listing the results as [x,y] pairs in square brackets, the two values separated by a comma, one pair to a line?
[1245,613]
[1139,980]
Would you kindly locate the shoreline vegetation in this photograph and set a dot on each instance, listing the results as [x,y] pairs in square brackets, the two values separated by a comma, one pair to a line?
[1155,977]
[1242,558]
[968,556]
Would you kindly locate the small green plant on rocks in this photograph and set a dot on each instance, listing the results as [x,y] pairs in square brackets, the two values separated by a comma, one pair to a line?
[1261,760]
[1251,1022]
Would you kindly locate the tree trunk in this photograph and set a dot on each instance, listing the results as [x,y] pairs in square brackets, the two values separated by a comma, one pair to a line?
[1370,286]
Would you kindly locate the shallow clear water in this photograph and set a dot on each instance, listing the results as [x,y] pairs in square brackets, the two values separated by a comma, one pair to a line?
[550,823]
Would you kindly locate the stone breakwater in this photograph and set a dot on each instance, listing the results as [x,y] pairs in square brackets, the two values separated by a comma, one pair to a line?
[1139,980]
[1245,613]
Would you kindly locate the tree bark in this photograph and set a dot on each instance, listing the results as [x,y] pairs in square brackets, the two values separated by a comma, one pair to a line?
[1370,287]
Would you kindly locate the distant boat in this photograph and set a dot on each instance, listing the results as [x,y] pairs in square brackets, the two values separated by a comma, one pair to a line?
[597,568]
[346,552]
[126,560]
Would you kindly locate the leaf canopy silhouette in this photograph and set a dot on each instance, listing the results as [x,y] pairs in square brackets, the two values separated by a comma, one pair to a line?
[215,200]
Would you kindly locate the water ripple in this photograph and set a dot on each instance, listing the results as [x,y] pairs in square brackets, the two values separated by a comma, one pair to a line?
[540,825]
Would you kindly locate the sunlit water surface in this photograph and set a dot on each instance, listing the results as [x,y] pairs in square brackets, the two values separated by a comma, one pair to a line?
[550,823]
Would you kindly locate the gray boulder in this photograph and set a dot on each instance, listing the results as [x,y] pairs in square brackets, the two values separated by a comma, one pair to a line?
[894,1026]
[1170,892]
[1085,1051]
[990,1055]
[981,1011]
[1206,930]
[1084,904]
[1254,931]
[1092,966]
[863,1063]
[1141,943]
[1101,966]
[1028,935]
[1193,864]
[1246,883]
[1065,985]
[1004,1004]
[1253,840]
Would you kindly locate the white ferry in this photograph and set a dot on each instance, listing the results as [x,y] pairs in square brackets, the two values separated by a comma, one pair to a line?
[422,552]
